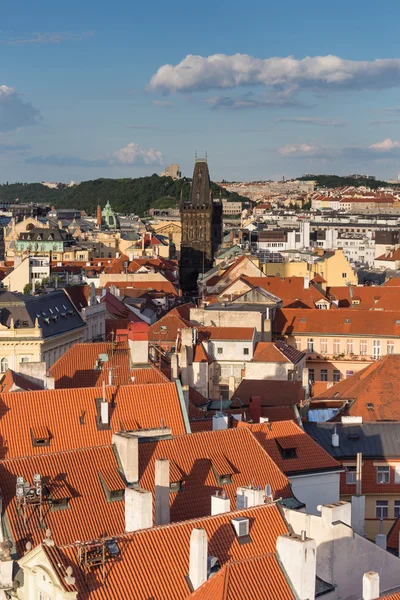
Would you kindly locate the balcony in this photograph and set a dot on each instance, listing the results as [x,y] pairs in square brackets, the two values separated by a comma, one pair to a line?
[319,357]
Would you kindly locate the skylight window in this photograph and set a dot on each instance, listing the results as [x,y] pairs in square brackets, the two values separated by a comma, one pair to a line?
[370,406]
[347,320]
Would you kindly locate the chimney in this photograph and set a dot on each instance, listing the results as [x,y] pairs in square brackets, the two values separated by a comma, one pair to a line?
[162,514]
[335,438]
[381,538]
[138,339]
[127,446]
[247,497]
[220,421]
[306,283]
[198,562]
[98,219]
[337,511]
[298,556]
[138,509]
[220,503]
[232,386]
[370,586]
[358,502]
[255,408]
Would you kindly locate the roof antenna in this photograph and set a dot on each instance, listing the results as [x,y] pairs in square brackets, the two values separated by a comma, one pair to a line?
[195,155]
[104,391]
[162,424]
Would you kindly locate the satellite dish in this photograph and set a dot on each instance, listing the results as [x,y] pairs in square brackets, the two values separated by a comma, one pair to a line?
[38,491]
[36,477]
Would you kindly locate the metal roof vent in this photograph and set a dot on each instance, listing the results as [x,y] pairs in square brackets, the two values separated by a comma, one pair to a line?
[241,526]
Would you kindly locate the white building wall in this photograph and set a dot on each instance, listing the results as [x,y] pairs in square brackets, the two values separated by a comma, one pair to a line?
[231,350]
[343,556]
[316,489]
[261,370]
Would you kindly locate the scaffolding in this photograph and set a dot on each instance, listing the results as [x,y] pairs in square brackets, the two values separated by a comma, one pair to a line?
[96,553]
[30,495]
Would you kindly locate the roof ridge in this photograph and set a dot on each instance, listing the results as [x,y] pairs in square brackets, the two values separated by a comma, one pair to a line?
[178,524]
[58,452]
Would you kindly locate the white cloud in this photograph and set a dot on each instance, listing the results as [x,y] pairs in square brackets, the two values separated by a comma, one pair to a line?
[304,150]
[134,154]
[221,71]
[15,112]
[313,121]
[385,145]
[164,103]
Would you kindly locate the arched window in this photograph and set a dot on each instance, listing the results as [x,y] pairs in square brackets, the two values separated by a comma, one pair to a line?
[3,365]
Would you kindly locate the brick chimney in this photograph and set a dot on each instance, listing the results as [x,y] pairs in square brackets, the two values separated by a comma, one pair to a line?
[98,214]
[255,408]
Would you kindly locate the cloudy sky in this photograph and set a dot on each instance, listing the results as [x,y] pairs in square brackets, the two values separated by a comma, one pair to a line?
[268,89]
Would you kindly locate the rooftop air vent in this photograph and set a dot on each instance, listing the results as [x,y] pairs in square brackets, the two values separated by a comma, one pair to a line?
[241,526]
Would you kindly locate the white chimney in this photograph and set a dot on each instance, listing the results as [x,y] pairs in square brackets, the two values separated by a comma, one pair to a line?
[219,421]
[104,412]
[264,419]
[6,565]
[220,503]
[127,446]
[247,497]
[162,512]
[306,283]
[138,509]
[298,555]
[358,514]
[335,438]
[198,558]
[370,586]
[381,540]
[337,511]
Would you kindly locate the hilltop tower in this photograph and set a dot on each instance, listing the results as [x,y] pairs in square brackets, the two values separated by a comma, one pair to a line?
[201,219]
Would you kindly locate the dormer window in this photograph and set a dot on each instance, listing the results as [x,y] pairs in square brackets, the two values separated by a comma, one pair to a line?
[176,478]
[113,486]
[287,450]
[40,436]
[222,470]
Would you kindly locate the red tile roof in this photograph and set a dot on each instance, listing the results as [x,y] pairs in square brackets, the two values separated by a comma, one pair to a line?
[76,367]
[148,284]
[289,321]
[277,352]
[258,577]
[291,290]
[288,435]
[373,392]
[173,322]
[154,562]
[145,404]
[272,392]
[366,297]
[72,474]
[200,354]
[195,456]
[11,380]
[228,333]
[117,309]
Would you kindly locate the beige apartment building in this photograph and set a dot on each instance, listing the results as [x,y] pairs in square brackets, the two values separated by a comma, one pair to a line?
[339,343]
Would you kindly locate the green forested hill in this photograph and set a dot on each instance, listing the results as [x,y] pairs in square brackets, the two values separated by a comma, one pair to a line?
[125,195]
[332,181]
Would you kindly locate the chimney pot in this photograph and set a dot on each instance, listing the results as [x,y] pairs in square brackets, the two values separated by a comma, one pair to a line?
[370,586]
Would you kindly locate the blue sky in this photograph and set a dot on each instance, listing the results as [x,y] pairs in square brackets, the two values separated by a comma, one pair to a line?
[95,89]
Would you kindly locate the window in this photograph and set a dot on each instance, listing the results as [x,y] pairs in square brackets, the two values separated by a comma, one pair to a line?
[349,374]
[351,475]
[383,475]
[390,347]
[220,350]
[396,509]
[363,347]
[397,474]
[311,376]
[381,509]
[344,275]
[245,351]
[297,343]
[25,359]
[324,374]
[376,348]
[336,346]
[310,345]
[336,375]
[324,346]
[4,365]
[349,347]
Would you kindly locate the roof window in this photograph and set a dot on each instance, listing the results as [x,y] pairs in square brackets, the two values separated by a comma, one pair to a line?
[370,406]
[286,451]
[222,470]
[302,320]
[40,435]
[347,320]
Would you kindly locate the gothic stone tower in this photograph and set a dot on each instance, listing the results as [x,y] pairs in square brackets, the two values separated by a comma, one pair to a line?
[201,219]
